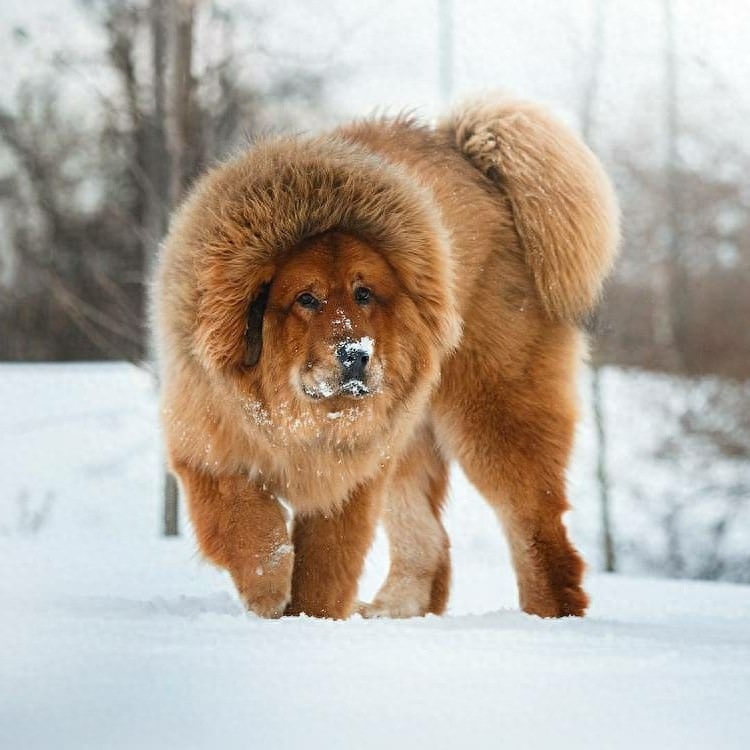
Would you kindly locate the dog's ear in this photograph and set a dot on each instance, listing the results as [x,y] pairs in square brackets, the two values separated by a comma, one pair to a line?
[254,327]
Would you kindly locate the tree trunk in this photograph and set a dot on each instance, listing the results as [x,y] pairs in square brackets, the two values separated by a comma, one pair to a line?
[173,130]
[675,297]
[587,121]
[181,136]
[159,162]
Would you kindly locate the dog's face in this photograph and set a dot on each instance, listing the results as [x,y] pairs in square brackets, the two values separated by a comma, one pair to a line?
[335,332]
[329,306]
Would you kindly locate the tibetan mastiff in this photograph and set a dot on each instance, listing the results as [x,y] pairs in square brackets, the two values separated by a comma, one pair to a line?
[340,316]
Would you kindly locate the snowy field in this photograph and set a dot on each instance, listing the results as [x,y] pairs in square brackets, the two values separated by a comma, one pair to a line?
[114,638]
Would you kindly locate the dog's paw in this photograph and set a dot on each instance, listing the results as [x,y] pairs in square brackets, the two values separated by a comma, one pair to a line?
[394,608]
[270,605]
[267,589]
[569,602]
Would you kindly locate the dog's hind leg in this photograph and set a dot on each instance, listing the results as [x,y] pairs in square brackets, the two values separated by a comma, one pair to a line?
[513,440]
[418,580]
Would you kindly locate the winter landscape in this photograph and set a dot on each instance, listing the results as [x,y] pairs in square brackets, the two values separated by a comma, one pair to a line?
[115,637]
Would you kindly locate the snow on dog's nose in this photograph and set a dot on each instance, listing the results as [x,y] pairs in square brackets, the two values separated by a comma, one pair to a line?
[349,370]
[354,356]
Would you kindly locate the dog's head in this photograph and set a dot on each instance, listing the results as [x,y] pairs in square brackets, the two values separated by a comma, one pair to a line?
[314,277]
[331,332]
[327,320]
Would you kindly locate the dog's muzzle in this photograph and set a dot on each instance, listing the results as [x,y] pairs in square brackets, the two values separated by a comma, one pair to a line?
[354,360]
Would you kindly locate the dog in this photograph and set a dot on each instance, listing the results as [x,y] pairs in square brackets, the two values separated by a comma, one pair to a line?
[338,316]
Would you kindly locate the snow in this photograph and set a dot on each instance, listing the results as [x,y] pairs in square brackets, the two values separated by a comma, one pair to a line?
[114,637]
[341,321]
[363,345]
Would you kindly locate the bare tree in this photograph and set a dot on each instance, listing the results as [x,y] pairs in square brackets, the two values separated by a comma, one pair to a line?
[587,122]
[182,138]
[182,144]
[675,299]
[159,153]
[79,273]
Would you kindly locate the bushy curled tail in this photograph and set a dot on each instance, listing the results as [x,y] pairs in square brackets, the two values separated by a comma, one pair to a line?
[563,204]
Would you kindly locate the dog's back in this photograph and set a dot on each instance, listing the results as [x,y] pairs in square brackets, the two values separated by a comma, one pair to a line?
[510,179]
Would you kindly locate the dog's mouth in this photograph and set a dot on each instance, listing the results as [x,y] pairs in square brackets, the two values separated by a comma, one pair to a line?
[348,389]
[355,389]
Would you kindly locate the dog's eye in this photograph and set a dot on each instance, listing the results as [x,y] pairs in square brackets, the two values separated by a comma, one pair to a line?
[362,295]
[308,301]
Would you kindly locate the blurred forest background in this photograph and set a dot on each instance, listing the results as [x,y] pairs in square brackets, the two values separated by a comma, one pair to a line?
[110,108]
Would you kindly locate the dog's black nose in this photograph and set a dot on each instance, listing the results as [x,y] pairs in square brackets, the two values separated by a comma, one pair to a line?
[353,357]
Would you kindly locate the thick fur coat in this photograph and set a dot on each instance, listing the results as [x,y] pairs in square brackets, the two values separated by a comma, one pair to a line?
[339,316]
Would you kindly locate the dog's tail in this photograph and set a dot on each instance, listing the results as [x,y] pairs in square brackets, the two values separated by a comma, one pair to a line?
[563,204]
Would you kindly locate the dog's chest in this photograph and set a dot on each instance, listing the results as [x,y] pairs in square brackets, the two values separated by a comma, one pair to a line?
[311,482]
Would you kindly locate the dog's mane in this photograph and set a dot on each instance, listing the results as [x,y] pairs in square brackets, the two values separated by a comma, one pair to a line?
[242,218]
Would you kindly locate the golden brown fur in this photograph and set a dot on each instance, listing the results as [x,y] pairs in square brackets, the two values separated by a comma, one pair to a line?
[480,244]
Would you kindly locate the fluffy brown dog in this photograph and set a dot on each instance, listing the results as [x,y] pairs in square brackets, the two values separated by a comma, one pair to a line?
[339,316]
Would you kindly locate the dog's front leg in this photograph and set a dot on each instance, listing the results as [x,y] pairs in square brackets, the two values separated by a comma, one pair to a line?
[329,554]
[242,528]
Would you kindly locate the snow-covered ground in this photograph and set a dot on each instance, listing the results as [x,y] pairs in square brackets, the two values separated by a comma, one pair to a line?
[112,637]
